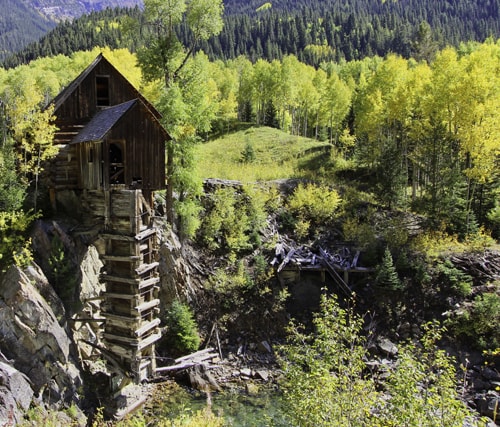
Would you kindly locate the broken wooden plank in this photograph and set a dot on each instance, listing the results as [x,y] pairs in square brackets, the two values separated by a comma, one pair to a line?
[333,273]
[195,354]
[147,327]
[148,283]
[147,305]
[149,341]
[145,234]
[144,268]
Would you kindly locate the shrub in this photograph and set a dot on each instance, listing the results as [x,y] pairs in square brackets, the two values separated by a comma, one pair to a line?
[387,276]
[313,205]
[479,324]
[233,219]
[182,333]
[248,154]
[14,246]
[327,382]
[454,279]
[188,212]
[422,386]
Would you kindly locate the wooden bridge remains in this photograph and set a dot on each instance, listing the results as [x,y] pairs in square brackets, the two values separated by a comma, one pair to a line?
[290,261]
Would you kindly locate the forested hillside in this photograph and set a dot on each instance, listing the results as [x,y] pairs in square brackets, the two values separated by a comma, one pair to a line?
[319,32]
[25,21]
[19,25]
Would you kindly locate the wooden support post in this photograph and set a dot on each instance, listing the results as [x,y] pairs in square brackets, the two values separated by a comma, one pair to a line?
[131,277]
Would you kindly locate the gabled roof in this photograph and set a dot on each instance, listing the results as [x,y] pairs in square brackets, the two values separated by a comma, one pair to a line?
[103,122]
[68,90]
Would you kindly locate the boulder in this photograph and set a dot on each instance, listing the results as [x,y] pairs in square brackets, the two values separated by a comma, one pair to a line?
[488,404]
[387,347]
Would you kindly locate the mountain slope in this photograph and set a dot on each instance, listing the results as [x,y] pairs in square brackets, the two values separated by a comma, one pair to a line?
[323,31]
[19,25]
[58,10]
[25,21]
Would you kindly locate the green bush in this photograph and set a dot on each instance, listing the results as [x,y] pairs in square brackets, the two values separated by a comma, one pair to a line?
[234,218]
[324,372]
[313,205]
[182,332]
[13,244]
[248,154]
[327,380]
[451,278]
[387,276]
[479,323]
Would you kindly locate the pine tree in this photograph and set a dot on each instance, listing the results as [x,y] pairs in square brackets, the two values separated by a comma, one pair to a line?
[387,276]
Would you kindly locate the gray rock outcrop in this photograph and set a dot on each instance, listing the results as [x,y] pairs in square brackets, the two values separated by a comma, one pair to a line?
[32,337]
[15,394]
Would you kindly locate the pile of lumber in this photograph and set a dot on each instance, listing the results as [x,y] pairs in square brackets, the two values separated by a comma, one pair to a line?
[302,256]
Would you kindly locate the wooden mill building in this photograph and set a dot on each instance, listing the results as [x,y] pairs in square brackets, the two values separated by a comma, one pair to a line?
[112,158]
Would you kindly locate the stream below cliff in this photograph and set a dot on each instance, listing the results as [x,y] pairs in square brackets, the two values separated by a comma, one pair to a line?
[236,405]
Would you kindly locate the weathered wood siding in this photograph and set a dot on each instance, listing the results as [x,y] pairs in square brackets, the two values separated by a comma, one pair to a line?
[144,149]
[144,136]
[81,105]
[91,165]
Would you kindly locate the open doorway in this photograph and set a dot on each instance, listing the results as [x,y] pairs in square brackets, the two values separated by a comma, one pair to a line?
[116,164]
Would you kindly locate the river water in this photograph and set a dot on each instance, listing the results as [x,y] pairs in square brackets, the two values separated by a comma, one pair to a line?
[235,405]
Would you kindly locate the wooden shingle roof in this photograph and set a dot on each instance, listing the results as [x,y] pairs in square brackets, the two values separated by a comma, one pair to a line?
[103,122]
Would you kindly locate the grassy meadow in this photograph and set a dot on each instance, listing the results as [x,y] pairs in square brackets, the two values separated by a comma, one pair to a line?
[259,154]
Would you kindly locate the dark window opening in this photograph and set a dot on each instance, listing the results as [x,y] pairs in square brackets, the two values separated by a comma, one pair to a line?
[91,155]
[116,165]
[102,91]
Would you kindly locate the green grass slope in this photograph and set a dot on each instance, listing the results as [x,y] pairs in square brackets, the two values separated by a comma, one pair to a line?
[276,155]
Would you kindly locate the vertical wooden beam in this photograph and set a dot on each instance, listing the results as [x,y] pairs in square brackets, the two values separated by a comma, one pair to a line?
[107,209]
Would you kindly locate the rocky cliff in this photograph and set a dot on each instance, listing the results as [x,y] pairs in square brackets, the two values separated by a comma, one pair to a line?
[51,354]
[58,10]
[38,358]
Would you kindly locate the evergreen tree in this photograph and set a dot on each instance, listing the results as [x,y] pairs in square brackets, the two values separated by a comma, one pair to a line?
[387,276]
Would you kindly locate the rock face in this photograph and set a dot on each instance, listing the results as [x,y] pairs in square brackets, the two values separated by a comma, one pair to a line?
[15,394]
[176,266]
[33,338]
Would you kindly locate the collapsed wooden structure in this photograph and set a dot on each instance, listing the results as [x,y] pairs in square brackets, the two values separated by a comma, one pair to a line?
[111,159]
[291,260]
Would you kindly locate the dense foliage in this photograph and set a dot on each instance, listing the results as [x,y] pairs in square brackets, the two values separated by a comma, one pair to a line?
[315,31]
[182,332]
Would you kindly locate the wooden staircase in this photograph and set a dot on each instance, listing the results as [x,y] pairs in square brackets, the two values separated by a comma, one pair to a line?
[130,273]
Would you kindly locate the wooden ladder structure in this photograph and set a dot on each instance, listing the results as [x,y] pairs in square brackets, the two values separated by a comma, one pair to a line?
[130,273]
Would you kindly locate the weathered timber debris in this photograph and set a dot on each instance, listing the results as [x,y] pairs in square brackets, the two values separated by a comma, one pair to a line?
[342,258]
[334,261]
[483,267]
[202,357]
